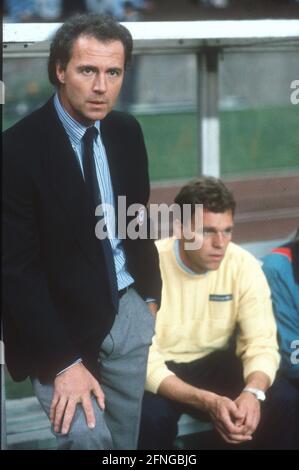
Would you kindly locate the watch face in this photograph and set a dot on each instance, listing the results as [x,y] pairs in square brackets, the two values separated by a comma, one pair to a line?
[261,396]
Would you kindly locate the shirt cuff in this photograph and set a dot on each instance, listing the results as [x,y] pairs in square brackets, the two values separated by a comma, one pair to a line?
[71,365]
[149,299]
[267,365]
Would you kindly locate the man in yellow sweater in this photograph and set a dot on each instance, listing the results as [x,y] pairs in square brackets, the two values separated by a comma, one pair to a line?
[215,352]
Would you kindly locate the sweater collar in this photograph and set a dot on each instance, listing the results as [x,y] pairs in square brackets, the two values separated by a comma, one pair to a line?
[182,265]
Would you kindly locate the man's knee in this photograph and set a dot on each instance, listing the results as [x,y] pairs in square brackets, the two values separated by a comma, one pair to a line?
[81,437]
[284,394]
[158,427]
[278,427]
[84,439]
[157,410]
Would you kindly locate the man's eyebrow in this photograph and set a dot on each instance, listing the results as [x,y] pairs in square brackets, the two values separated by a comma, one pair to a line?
[208,227]
[94,67]
[87,66]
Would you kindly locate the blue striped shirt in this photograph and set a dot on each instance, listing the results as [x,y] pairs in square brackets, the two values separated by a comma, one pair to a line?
[75,132]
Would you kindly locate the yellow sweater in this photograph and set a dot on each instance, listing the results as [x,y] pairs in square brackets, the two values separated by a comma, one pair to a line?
[199,313]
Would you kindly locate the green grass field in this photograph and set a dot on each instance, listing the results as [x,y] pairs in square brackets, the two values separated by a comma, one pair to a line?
[17,389]
[251,141]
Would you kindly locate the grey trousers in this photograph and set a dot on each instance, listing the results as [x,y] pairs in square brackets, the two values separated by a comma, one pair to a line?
[122,364]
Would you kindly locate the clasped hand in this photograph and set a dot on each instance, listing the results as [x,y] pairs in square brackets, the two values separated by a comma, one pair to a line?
[236,420]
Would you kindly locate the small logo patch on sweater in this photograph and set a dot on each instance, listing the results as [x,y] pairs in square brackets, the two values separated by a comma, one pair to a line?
[220,298]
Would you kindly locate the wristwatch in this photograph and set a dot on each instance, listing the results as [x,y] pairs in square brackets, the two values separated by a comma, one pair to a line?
[260,395]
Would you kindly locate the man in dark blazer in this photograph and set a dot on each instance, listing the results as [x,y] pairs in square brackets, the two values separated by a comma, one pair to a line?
[78,312]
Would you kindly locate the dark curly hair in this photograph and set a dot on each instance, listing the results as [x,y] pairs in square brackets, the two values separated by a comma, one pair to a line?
[210,192]
[102,27]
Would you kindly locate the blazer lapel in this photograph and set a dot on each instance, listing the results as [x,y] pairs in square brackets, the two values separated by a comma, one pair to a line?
[68,183]
[113,152]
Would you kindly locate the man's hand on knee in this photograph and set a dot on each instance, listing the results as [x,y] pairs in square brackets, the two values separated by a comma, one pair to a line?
[71,387]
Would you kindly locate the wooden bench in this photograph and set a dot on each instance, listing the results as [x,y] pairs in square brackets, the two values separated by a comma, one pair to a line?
[27,426]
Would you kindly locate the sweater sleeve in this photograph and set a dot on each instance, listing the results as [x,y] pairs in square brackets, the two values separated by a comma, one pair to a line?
[157,370]
[257,339]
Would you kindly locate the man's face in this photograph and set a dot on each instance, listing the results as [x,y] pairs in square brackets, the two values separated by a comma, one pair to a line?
[217,233]
[92,79]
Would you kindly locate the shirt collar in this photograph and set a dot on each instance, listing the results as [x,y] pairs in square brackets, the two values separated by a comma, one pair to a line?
[73,128]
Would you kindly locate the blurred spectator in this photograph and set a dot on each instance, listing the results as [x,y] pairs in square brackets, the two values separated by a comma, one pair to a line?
[144,6]
[130,12]
[18,11]
[21,10]
[220,3]
[214,3]
[49,10]
[281,268]
[71,7]
[108,7]
[121,10]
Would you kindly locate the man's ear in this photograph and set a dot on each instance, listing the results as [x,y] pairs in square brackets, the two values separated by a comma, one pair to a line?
[60,73]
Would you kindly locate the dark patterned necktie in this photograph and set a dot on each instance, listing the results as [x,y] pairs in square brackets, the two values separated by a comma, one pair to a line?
[94,195]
